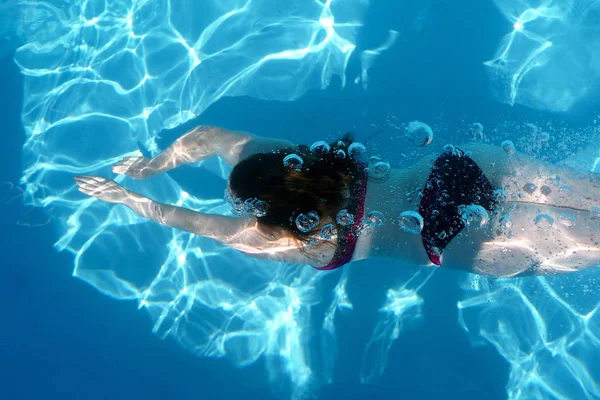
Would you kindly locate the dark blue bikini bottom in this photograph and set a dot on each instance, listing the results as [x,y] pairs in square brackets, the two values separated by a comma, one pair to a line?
[455,180]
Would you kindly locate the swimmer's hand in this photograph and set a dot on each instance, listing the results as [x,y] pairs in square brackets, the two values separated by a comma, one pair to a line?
[135,167]
[103,189]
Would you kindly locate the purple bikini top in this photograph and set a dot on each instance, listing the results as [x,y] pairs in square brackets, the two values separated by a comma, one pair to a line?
[348,235]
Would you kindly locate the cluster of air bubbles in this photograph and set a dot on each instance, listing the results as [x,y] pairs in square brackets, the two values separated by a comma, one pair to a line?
[567,220]
[473,215]
[545,190]
[246,208]
[327,231]
[476,130]
[237,207]
[307,222]
[508,146]
[380,170]
[320,148]
[357,151]
[228,196]
[595,212]
[255,208]
[375,218]
[500,195]
[249,208]
[543,221]
[506,222]
[450,149]
[344,218]
[293,161]
[419,133]
[534,131]
[411,222]
[529,188]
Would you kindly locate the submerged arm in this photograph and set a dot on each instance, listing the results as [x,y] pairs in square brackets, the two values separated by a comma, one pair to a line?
[199,144]
[241,234]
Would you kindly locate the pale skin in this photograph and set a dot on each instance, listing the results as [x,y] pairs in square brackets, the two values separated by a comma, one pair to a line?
[492,250]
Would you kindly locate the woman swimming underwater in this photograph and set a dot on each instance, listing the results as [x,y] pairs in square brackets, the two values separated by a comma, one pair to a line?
[477,208]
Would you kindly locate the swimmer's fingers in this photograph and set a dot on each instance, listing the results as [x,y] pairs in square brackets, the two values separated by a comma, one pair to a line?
[126,162]
[124,166]
[91,182]
[101,188]
[93,186]
[135,167]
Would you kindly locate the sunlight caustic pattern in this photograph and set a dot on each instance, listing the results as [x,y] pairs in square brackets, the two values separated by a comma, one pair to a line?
[103,76]
[550,59]
[546,332]
[402,304]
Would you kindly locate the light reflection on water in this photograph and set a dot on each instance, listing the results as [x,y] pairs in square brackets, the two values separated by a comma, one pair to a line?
[102,76]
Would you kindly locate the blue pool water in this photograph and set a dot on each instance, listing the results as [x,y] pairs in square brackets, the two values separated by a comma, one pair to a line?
[100,304]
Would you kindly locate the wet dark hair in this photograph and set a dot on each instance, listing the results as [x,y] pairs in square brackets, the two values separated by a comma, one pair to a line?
[322,184]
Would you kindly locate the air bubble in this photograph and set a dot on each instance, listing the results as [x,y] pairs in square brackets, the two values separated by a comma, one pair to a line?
[567,220]
[381,170]
[307,222]
[473,215]
[442,235]
[357,151]
[419,133]
[544,221]
[327,231]
[344,218]
[411,222]
[293,161]
[506,222]
[319,148]
[529,188]
[340,154]
[476,130]
[375,218]
[501,195]
[508,147]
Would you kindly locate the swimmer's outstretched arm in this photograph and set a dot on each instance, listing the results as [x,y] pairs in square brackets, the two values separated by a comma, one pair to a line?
[241,234]
[198,144]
